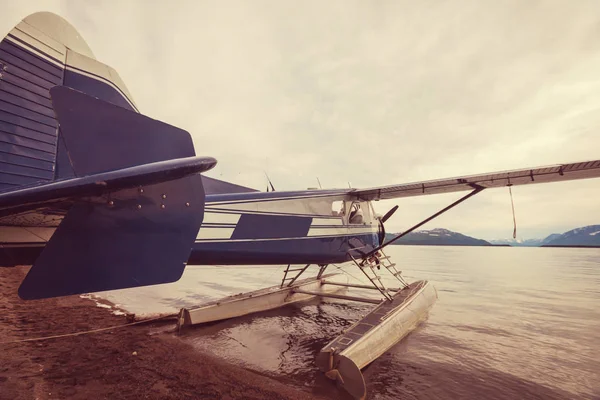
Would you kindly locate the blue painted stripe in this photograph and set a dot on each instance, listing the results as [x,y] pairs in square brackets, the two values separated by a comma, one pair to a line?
[252,226]
[313,250]
[23,65]
[218,225]
[241,211]
[250,197]
[313,226]
[31,58]
[346,235]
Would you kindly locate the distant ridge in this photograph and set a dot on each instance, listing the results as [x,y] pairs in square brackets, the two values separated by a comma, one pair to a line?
[526,242]
[587,236]
[437,237]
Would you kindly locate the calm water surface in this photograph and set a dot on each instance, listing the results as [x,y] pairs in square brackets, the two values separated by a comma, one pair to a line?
[509,323]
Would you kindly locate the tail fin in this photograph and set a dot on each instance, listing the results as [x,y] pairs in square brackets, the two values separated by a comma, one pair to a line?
[125,237]
[121,189]
[122,236]
[100,137]
[41,52]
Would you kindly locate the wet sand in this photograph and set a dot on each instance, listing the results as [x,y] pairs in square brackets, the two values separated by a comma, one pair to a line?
[102,365]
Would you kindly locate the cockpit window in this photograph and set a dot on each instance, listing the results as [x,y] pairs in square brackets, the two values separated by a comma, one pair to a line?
[356,214]
[337,208]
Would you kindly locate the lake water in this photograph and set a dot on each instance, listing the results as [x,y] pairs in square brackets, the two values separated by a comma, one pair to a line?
[510,323]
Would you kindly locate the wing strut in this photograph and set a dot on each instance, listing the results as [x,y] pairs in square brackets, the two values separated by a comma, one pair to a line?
[476,190]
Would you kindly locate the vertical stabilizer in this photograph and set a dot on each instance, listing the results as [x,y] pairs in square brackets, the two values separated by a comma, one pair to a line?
[41,52]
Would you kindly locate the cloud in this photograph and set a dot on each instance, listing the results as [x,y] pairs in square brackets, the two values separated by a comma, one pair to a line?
[369,93]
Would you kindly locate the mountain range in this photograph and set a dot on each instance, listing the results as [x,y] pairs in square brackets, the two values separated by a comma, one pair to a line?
[437,237]
[587,236]
[526,242]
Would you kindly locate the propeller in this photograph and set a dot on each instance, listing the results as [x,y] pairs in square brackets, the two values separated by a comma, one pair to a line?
[382,221]
[389,213]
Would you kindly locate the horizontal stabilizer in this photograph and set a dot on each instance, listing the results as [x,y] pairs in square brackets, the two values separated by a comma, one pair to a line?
[103,183]
[101,137]
[132,237]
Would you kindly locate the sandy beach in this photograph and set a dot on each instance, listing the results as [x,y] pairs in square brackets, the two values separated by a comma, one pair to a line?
[103,365]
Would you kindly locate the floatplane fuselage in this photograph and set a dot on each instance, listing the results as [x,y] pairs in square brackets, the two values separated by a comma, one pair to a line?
[301,227]
[247,228]
[96,196]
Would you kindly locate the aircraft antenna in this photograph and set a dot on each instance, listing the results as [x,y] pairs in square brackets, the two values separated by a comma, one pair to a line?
[270,183]
[320,187]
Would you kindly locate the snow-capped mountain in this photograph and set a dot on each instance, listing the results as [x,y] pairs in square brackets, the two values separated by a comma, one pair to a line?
[438,237]
[585,236]
[526,242]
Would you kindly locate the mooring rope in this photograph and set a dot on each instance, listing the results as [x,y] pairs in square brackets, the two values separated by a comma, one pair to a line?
[512,203]
[86,332]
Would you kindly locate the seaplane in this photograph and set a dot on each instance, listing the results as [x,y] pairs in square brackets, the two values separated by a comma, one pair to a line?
[96,196]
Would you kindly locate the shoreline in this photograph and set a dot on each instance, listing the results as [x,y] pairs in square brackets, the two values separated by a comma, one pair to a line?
[130,362]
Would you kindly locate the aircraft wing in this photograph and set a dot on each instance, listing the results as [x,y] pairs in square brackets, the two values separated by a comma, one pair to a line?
[552,173]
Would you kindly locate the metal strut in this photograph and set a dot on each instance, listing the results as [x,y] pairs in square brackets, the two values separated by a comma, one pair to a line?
[368,267]
[371,262]
[476,190]
[322,268]
[292,279]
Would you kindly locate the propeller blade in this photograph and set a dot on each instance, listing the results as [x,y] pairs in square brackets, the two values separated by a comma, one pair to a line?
[389,214]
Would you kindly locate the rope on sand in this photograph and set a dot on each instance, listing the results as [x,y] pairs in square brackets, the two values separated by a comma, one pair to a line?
[86,332]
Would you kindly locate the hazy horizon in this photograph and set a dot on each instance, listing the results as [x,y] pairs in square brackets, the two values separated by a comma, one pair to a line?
[508,237]
[369,93]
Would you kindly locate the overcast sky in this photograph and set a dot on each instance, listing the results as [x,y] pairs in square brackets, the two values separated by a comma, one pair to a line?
[370,93]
